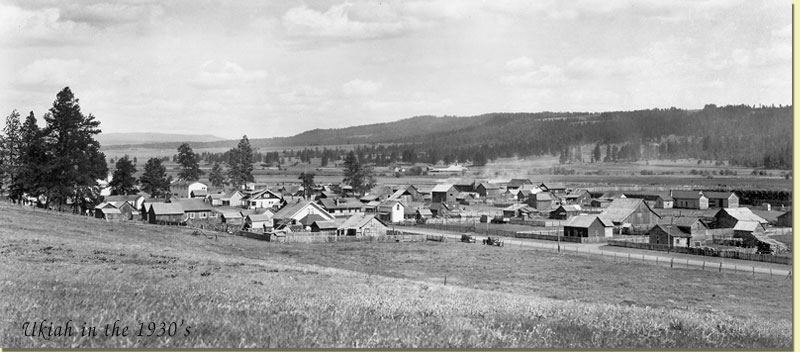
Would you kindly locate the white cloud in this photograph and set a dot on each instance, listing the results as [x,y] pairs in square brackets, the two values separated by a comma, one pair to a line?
[358,87]
[52,72]
[345,20]
[521,63]
[225,74]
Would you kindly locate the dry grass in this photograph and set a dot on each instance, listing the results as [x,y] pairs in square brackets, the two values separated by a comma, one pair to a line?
[237,292]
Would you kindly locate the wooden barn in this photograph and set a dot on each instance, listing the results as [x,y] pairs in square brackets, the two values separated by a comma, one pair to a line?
[362,225]
[540,201]
[729,217]
[444,194]
[671,235]
[588,226]
[722,199]
[689,200]
[407,194]
[517,183]
[258,222]
[578,197]
[564,212]
[108,213]
[785,219]
[165,213]
[630,211]
[488,190]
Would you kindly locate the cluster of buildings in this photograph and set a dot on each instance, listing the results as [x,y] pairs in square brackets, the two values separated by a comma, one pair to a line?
[331,208]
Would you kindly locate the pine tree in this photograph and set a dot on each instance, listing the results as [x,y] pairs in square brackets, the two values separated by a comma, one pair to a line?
[217,175]
[10,153]
[77,162]
[123,181]
[154,180]
[307,181]
[33,159]
[357,175]
[190,169]
[240,163]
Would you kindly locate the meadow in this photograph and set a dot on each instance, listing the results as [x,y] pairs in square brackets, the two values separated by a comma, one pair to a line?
[237,292]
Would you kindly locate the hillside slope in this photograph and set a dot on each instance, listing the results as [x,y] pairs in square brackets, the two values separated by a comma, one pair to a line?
[110,139]
[235,292]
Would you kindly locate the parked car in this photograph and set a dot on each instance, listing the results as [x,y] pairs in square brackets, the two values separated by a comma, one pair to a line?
[500,220]
[468,238]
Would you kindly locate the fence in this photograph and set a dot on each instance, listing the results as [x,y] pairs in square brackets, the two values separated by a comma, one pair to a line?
[330,236]
[705,251]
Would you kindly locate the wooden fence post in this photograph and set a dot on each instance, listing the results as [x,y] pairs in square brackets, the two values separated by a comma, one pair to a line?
[671,260]
[720,267]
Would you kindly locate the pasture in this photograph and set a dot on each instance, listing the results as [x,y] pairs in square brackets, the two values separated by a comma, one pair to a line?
[237,292]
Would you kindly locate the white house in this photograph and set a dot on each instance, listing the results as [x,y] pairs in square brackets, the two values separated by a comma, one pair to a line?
[391,211]
[293,213]
[264,199]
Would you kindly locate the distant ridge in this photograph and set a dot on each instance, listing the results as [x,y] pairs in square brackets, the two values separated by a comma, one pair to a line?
[107,139]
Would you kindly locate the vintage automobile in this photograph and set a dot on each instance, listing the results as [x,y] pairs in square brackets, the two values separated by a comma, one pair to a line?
[500,220]
[493,241]
[468,238]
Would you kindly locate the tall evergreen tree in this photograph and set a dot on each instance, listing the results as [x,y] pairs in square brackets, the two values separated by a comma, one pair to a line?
[10,153]
[33,159]
[217,175]
[190,169]
[77,162]
[596,153]
[154,180]
[123,182]
[357,175]
[240,163]
[307,181]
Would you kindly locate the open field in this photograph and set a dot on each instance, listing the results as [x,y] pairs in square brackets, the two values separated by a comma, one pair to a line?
[236,292]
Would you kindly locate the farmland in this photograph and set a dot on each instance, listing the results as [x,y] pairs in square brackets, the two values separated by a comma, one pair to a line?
[237,292]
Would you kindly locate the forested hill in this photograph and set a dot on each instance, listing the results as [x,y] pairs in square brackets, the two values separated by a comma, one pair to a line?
[745,135]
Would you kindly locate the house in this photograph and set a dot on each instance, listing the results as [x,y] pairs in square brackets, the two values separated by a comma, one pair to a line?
[258,222]
[692,226]
[341,207]
[588,226]
[444,194]
[558,189]
[785,219]
[362,225]
[517,182]
[488,190]
[108,213]
[630,211]
[391,211]
[327,225]
[465,186]
[540,201]
[564,212]
[668,234]
[689,199]
[729,217]
[665,202]
[165,213]
[231,217]
[309,219]
[263,199]
[195,208]
[578,197]
[215,199]
[233,199]
[407,194]
[135,200]
[518,211]
[722,199]
[127,211]
[291,214]
[182,187]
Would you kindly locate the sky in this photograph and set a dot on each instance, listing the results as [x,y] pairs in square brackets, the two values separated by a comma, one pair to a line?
[281,67]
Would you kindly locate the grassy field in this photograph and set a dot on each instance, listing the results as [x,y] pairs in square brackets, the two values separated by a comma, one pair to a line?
[236,292]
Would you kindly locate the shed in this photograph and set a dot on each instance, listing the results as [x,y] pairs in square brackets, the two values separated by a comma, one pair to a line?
[109,214]
[258,221]
[165,213]
[669,235]
[722,199]
[444,194]
[588,226]
[564,212]
[689,199]
[362,225]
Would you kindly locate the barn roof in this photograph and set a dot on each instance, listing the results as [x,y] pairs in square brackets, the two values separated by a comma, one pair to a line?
[166,208]
[584,221]
[325,224]
[743,214]
[686,194]
[259,217]
[718,195]
[553,185]
[424,212]
[109,211]
[672,230]
[192,204]
[357,221]
[441,188]
[621,208]
[105,205]
[231,214]
[487,185]
[748,226]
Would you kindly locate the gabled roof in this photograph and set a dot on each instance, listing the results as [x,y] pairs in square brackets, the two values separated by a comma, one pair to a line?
[621,208]
[386,206]
[326,224]
[358,221]
[231,214]
[553,185]
[310,218]
[291,210]
[685,221]
[718,195]
[265,194]
[217,196]
[109,211]
[585,221]
[743,214]
[749,226]
[517,182]
[230,194]
[258,217]
[343,203]
[487,185]
[686,194]
[441,188]
[192,204]
[672,230]
[424,212]
[166,208]
[200,192]
[105,205]
[570,207]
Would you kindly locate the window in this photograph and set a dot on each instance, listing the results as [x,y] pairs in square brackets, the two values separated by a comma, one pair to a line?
[191,215]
